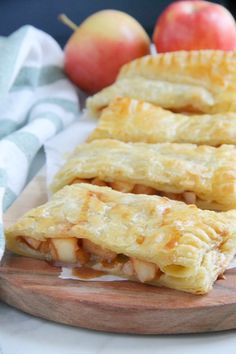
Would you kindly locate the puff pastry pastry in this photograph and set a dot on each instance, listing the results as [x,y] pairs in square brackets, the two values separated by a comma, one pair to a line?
[199,81]
[130,120]
[202,175]
[145,238]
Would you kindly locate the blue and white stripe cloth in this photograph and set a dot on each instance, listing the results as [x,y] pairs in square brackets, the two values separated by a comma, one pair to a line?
[36,102]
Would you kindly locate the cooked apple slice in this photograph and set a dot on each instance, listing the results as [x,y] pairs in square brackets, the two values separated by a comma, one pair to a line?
[128,268]
[145,271]
[35,244]
[64,249]
[189,197]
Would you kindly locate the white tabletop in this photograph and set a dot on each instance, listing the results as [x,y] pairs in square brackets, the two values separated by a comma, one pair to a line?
[24,334]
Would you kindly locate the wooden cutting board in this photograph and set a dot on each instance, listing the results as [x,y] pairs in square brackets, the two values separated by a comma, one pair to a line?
[33,286]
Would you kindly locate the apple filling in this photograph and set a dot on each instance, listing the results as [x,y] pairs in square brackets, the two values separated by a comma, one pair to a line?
[126,187]
[83,252]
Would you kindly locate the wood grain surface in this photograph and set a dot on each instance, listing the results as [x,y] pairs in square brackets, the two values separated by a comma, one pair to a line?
[33,286]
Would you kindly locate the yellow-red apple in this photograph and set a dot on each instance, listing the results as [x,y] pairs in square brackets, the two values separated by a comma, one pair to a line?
[100,46]
[188,25]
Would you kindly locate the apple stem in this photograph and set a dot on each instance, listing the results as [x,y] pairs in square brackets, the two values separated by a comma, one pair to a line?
[64,19]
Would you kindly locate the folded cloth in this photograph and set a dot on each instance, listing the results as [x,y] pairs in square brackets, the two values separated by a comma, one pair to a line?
[36,102]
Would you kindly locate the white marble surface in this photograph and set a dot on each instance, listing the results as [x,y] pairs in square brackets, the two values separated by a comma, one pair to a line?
[24,334]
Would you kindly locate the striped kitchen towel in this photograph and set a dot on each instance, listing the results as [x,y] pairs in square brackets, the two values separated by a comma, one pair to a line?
[36,102]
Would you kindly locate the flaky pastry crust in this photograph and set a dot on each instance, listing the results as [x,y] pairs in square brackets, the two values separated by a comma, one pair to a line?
[190,247]
[198,81]
[131,120]
[207,171]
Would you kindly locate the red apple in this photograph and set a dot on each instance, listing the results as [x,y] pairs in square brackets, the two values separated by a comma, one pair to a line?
[189,25]
[100,46]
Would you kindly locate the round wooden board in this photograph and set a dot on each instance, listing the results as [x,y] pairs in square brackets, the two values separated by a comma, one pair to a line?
[34,287]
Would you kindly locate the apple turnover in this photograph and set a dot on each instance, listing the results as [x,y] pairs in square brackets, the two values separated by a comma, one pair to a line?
[201,175]
[143,238]
[130,120]
[194,81]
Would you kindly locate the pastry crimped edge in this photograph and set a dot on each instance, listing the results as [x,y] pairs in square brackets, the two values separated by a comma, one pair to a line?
[212,69]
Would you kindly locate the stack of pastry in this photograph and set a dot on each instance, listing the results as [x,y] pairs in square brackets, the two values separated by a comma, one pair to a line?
[151,195]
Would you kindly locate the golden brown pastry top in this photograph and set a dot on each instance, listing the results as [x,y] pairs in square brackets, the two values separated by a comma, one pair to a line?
[131,120]
[212,69]
[197,81]
[177,97]
[207,171]
[115,220]
[190,246]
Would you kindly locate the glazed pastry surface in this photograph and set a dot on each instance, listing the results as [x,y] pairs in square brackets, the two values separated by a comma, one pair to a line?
[188,247]
[131,120]
[208,172]
[196,81]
